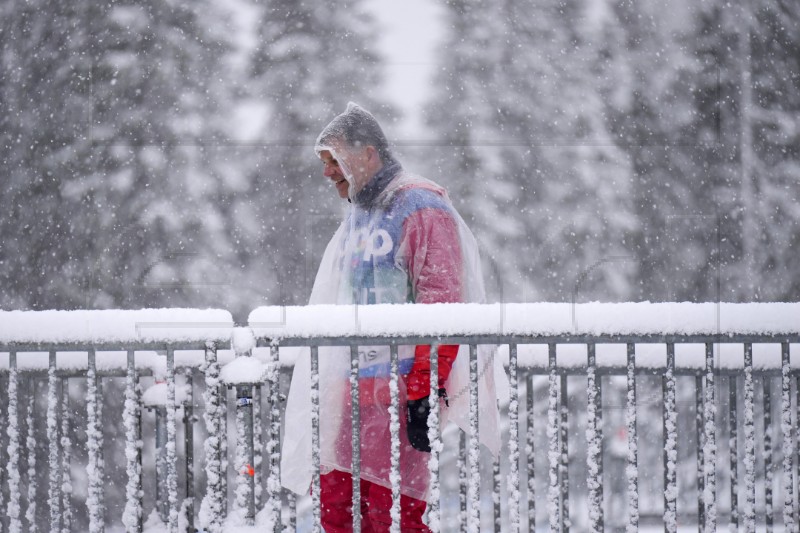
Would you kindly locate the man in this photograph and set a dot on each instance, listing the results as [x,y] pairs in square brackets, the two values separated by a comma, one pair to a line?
[401,242]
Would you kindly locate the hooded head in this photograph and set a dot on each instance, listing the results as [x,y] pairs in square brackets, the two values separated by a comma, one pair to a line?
[355,142]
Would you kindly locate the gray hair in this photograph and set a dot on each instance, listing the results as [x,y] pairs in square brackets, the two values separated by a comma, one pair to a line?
[357,128]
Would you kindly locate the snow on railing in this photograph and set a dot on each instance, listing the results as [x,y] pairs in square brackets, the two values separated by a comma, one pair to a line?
[699,348]
[96,345]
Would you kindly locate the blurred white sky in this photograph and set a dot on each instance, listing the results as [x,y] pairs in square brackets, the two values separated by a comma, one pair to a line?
[410,31]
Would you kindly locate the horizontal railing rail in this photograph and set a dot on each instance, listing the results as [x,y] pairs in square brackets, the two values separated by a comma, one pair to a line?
[553,392]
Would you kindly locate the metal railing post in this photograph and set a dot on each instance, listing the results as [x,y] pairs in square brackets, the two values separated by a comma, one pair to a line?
[710,442]
[461,465]
[258,449]
[699,459]
[223,449]
[513,441]
[212,416]
[633,455]
[564,455]
[434,512]
[315,457]
[530,443]
[273,446]
[749,442]
[102,453]
[496,518]
[244,452]
[94,435]
[133,513]
[599,402]
[474,488]
[554,450]
[14,474]
[242,344]
[4,426]
[594,437]
[292,508]
[53,466]
[797,447]
[670,432]
[788,438]
[394,430]
[733,450]
[769,473]
[66,459]
[162,499]
[355,413]
[30,447]
[188,450]
[172,443]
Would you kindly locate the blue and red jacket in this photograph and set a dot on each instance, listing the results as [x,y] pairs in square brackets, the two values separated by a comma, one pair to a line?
[407,250]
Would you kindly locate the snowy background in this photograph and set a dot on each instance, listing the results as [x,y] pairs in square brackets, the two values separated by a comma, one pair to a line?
[158,153]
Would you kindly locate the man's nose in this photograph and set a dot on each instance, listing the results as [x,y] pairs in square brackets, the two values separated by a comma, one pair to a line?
[327,171]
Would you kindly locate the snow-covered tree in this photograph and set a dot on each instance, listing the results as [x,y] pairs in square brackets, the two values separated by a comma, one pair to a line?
[654,119]
[107,197]
[769,157]
[712,142]
[153,100]
[43,143]
[463,114]
[521,98]
[309,61]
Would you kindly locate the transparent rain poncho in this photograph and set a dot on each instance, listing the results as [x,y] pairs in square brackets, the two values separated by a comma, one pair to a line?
[364,264]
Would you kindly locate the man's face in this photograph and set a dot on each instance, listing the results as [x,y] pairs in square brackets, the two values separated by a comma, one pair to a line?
[333,171]
[361,163]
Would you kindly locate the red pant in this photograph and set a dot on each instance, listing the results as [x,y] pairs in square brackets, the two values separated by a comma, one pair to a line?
[376,504]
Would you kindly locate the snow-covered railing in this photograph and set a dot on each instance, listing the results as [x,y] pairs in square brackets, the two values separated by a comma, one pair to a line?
[552,352]
[702,341]
[94,345]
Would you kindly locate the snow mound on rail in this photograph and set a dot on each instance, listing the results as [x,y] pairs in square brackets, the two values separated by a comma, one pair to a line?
[115,326]
[535,319]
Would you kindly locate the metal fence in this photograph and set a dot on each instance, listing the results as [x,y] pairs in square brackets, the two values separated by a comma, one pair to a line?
[511,487]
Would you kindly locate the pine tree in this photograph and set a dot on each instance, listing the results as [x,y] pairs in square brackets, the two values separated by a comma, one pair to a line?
[725,183]
[546,188]
[666,120]
[109,205]
[463,115]
[42,145]
[769,150]
[152,104]
[593,180]
[309,62]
